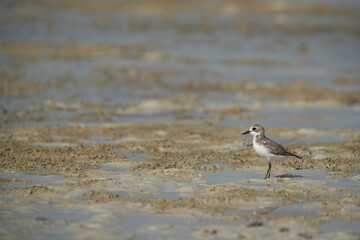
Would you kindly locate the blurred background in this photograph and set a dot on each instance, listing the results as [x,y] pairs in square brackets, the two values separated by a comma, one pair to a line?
[280,63]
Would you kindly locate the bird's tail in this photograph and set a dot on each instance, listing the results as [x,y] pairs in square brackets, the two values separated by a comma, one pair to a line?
[294,155]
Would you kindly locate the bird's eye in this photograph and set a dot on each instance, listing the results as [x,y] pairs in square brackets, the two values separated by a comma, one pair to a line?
[253,129]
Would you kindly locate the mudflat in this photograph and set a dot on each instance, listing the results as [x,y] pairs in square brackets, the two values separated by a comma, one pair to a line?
[123,119]
[203,176]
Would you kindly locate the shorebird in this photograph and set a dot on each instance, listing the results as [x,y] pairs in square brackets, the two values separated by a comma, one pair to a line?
[266,147]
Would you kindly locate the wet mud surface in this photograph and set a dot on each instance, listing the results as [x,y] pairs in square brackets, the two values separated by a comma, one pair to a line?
[130,128]
[204,178]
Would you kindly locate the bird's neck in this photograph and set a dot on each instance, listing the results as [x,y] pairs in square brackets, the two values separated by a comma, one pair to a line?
[258,137]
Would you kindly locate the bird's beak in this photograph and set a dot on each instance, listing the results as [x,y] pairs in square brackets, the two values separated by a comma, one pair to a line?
[246,132]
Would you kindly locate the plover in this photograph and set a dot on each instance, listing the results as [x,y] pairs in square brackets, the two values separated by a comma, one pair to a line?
[266,147]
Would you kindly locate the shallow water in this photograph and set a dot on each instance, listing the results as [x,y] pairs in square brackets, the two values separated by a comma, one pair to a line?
[33,179]
[182,46]
[66,221]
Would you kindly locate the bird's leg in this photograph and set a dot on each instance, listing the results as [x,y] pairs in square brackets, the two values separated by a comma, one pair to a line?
[268,171]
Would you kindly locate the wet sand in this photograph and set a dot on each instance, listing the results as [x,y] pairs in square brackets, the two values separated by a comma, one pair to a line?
[183,174]
[131,128]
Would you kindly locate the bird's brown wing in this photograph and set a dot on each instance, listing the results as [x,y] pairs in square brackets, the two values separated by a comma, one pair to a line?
[277,149]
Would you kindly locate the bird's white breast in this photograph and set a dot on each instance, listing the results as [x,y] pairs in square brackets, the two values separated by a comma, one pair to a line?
[262,150]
